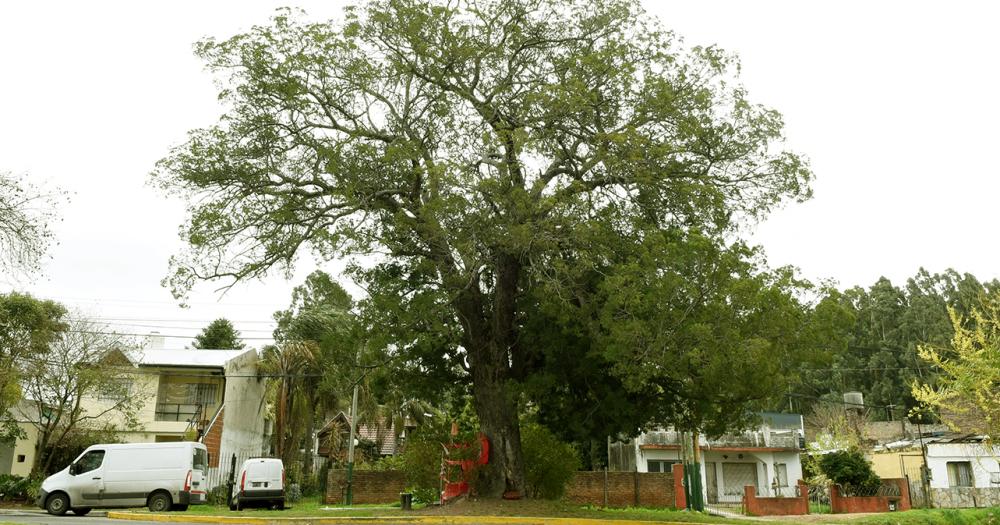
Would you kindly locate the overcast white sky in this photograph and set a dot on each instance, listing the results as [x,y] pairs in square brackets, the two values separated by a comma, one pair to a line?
[894,103]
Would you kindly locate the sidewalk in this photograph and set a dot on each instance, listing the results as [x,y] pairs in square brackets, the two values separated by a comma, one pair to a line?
[422,520]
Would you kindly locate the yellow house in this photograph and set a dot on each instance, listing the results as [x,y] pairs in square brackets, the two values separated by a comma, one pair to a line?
[16,458]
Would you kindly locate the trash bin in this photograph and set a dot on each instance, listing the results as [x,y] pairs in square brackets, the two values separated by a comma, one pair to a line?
[406,500]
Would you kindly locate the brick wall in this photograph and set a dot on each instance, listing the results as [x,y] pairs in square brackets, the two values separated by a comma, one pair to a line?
[756,506]
[213,440]
[368,486]
[847,505]
[622,489]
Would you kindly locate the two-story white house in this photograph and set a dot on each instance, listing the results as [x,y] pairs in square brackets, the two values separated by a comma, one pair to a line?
[213,396]
[766,457]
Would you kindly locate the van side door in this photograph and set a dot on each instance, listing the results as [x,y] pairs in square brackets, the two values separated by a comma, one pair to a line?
[86,486]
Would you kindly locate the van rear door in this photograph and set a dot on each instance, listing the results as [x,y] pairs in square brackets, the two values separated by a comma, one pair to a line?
[199,468]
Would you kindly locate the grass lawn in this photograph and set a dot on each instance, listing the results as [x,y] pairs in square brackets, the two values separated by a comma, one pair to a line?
[311,507]
[990,516]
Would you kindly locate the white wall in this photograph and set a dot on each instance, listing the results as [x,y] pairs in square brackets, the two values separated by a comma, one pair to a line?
[243,423]
[655,454]
[982,459]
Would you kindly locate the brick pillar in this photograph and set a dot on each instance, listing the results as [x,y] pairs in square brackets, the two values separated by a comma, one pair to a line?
[803,497]
[904,493]
[680,498]
[750,500]
[836,503]
[213,439]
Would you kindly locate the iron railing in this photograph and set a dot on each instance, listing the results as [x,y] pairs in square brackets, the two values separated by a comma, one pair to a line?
[760,438]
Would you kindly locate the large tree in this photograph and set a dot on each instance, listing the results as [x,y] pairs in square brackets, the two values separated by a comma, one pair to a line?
[966,392]
[27,327]
[473,148]
[86,361]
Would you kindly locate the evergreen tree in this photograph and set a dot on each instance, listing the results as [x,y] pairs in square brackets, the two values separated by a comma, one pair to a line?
[218,335]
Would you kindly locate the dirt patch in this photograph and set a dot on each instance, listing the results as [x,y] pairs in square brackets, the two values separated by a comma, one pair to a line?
[822,518]
[500,507]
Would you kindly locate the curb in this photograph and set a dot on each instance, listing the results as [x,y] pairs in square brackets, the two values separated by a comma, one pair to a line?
[381,520]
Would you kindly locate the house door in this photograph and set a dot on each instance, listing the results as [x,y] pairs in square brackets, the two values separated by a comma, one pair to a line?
[735,476]
[712,482]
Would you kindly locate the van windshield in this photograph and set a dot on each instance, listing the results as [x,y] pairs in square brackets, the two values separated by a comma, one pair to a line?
[200,459]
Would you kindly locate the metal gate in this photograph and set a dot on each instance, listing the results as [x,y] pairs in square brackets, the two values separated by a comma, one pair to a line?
[724,487]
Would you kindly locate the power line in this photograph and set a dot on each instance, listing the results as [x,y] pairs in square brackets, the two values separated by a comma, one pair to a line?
[146,319]
[140,301]
[133,325]
[95,332]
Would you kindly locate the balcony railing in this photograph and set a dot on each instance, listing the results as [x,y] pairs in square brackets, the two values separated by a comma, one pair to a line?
[177,412]
[760,438]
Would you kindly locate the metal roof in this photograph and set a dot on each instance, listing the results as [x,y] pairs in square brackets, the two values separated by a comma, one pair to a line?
[187,358]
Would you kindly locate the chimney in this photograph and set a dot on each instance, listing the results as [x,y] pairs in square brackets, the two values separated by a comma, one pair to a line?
[155,341]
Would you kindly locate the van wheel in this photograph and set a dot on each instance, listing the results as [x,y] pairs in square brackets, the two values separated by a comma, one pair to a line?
[57,504]
[81,511]
[159,502]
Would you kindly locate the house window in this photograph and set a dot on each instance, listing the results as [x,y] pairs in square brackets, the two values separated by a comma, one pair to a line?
[20,458]
[658,465]
[781,474]
[180,399]
[115,391]
[960,474]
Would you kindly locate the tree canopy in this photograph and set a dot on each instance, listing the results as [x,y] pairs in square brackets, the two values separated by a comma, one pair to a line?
[479,151]
[966,391]
[26,214]
[890,324]
[28,326]
[220,334]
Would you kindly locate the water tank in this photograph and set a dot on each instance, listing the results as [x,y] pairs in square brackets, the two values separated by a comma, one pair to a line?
[854,399]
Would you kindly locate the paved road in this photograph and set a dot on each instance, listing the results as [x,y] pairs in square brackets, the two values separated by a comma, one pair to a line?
[39,516]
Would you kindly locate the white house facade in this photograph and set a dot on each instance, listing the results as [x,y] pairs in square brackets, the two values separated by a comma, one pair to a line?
[766,457]
[964,471]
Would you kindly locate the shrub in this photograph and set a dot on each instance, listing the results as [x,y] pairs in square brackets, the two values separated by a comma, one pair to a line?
[420,462]
[548,462]
[218,495]
[293,492]
[13,487]
[850,469]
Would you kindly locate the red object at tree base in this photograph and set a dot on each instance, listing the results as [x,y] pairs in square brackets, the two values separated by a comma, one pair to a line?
[512,494]
[454,488]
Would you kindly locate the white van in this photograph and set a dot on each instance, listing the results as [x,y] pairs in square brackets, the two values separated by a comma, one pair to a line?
[261,482]
[162,476]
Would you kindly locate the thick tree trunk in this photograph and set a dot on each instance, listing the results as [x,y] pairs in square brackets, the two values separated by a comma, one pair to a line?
[492,344]
[497,411]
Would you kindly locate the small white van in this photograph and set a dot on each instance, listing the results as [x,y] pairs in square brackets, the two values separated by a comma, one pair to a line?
[162,476]
[261,482]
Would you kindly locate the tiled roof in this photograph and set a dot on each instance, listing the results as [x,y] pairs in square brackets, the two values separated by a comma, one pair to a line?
[366,432]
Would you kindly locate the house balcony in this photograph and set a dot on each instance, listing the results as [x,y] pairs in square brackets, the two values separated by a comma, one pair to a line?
[762,438]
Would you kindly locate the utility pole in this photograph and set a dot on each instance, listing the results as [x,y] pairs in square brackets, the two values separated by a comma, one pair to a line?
[925,472]
[350,442]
